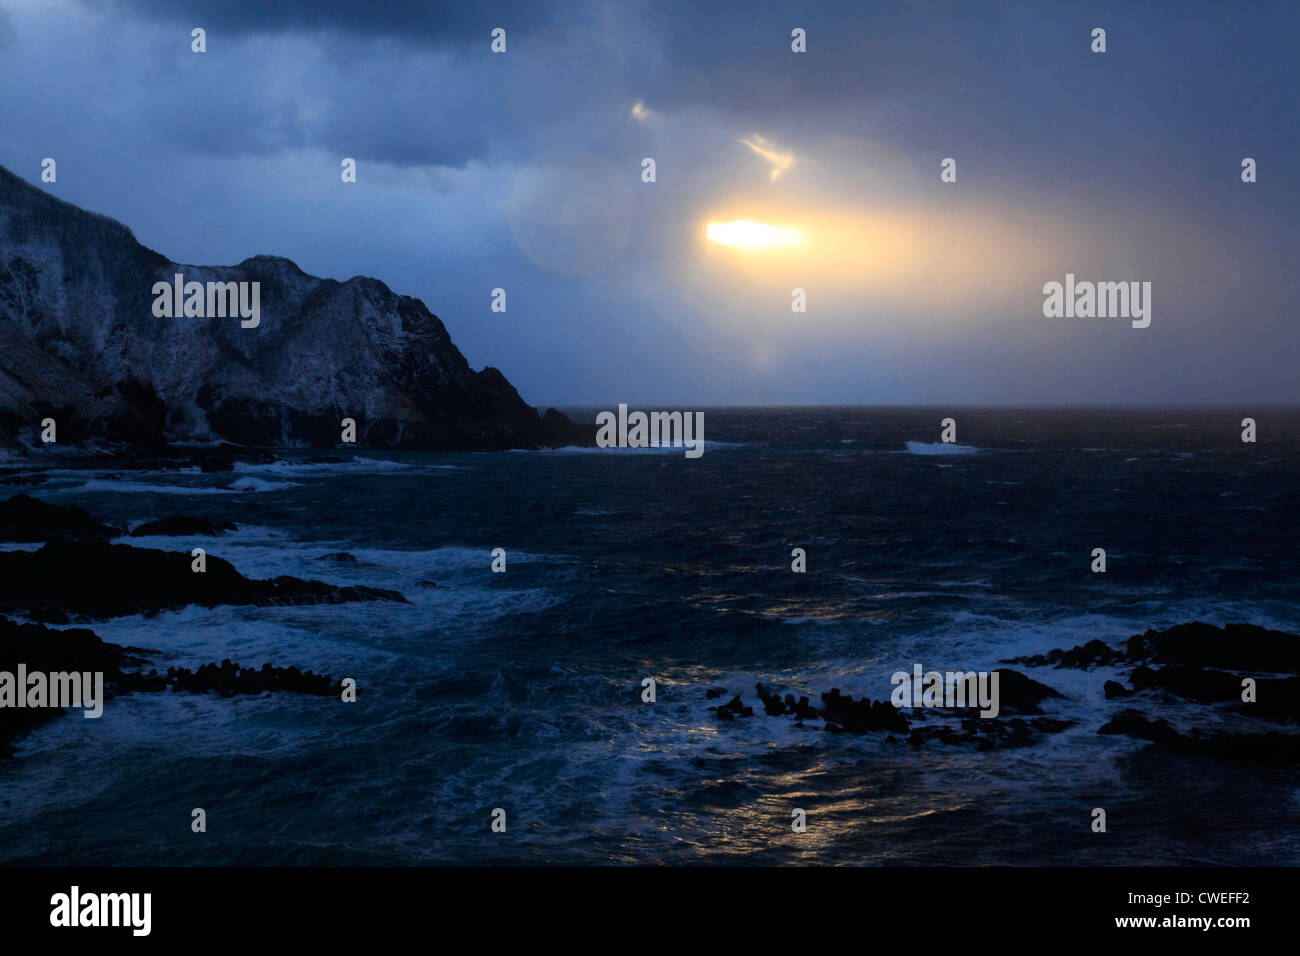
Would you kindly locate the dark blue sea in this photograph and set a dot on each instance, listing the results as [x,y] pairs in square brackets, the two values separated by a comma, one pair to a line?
[523,690]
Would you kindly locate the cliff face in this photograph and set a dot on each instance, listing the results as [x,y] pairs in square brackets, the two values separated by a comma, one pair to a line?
[79,342]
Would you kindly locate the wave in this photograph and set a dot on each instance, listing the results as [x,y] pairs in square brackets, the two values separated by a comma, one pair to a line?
[143,488]
[611,450]
[708,443]
[940,448]
[356,465]
[261,484]
[241,485]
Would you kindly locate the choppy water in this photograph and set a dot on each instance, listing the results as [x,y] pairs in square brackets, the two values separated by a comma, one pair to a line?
[522,690]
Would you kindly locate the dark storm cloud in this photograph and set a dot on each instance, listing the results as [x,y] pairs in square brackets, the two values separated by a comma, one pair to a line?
[455,23]
[1001,79]
[717,53]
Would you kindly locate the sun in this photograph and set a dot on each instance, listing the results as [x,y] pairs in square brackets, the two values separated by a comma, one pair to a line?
[747,234]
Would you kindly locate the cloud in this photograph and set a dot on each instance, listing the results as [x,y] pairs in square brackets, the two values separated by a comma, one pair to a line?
[643,114]
[779,161]
[451,23]
[522,170]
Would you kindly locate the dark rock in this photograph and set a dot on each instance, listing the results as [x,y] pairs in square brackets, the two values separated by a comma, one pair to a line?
[733,708]
[180,525]
[427,583]
[48,615]
[230,679]
[1094,653]
[23,518]
[1190,682]
[1271,748]
[79,650]
[1113,689]
[861,716]
[340,556]
[96,580]
[1134,723]
[1022,694]
[1276,698]
[987,733]
[1245,647]
[224,457]
[772,705]
[804,711]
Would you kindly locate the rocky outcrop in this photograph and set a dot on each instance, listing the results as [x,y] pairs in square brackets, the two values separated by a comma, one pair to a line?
[79,343]
[1204,664]
[91,580]
[26,519]
[1271,747]
[1233,646]
[76,650]
[842,714]
[79,574]
[1195,663]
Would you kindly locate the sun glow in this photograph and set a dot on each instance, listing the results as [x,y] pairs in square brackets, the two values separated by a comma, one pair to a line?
[747,234]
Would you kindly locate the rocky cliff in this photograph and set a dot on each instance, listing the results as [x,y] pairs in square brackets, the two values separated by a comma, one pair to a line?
[80,342]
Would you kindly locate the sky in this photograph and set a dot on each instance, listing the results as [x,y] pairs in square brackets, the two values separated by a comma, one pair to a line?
[523,170]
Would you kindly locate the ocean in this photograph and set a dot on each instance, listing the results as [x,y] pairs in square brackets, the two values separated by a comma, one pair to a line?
[523,690]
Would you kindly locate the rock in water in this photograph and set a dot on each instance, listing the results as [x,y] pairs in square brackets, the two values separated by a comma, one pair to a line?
[183,525]
[79,342]
[23,518]
[94,581]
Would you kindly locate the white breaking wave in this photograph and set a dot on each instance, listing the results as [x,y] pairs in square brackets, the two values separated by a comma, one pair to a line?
[150,488]
[354,466]
[940,448]
[143,488]
[626,450]
[261,484]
